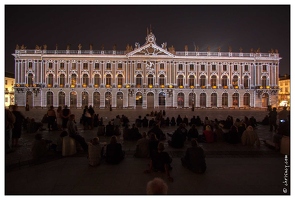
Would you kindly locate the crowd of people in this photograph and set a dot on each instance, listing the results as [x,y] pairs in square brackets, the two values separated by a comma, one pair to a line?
[150,143]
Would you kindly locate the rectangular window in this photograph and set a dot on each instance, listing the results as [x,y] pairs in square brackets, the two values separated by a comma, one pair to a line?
[235,67]
[162,66]
[120,66]
[50,65]
[5,82]
[191,67]
[264,68]
[246,68]
[108,66]
[180,67]
[213,67]
[138,65]
[73,65]
[224,68]
[85,65]
[202,67]
[96,66]
[62,65]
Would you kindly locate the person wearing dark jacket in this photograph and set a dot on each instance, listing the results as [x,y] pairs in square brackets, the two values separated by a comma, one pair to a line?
[178,137]
[17,126]
[114,152]
[194,158]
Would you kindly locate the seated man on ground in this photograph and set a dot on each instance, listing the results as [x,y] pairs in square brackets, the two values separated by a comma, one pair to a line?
[95,152]
[73,132]
[41,147]
[161,161]
[178,137]
[156,186]
[114,152]
[194,158]
[250,137]
[142,147]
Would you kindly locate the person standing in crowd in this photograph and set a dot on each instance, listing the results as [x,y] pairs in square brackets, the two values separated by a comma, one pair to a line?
[73,132]
[92,112]
[9,121]
[51,118]
[194,158]
[284,114]
[66,112]
[273,119]
[17,127]
[58,117]
[157,186]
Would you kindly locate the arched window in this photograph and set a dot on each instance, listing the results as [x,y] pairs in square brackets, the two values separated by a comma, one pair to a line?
[213,100]
[224,99]
[213,81]
[162,80]
[180,81]
[97,80]
[30,80]
[85,80]
[138,81]
[50,80]
[235,81]
[150,80]
[73,80]
[49,99]
[191,81]
[203,100]
[120,80]
[246,99]
[138,99]
[224,81]
[246,82]
[108,99]
[62,80]
[162,99]
[203,81]
[108,80]
[236,99]
[263,82]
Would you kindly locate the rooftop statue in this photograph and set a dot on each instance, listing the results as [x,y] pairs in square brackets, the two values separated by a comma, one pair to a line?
[79,46]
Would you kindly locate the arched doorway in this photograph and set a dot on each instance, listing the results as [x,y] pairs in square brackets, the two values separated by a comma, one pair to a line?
[162,99]
[180,100]
[96,100]
[213,100]
[108,99]
[84,99]
[119,100]
[139,99]
[236,99]
[265,100]
[150,100]
[61,99]
[202,100]
[192,99]
[49,99]
[246,99]
[73,99]
[29,98]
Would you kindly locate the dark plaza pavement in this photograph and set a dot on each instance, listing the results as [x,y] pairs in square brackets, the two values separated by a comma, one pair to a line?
[231,169]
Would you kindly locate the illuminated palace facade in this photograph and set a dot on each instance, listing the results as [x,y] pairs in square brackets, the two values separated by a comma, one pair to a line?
[148,76]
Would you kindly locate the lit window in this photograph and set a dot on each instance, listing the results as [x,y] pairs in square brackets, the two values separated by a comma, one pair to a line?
[180,67]
[85,65]
[191,67]
[120,66]
[162,66]
[202,67]
[108,66]
[96,66]
[235,67]
[213,67]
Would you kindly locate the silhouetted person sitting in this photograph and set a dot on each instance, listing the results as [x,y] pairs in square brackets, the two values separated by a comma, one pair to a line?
[152,123]
[110,129]
[114,152]
[178,137]
[193,132]
[160,161]
[250,137]
[173,122]
[95,151]
[40,147]
[178,120]
[134,133]
[209,135]
[232,136]
[194,158]
[198,121]
[153,144]
[138,121]
[73,132]
[167,121]
[193,121]
[142,147]
[158,132]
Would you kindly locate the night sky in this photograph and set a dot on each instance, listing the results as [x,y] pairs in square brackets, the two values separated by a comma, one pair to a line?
[245,26]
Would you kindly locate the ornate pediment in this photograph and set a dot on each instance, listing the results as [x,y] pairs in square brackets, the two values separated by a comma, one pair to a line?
[150,49]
